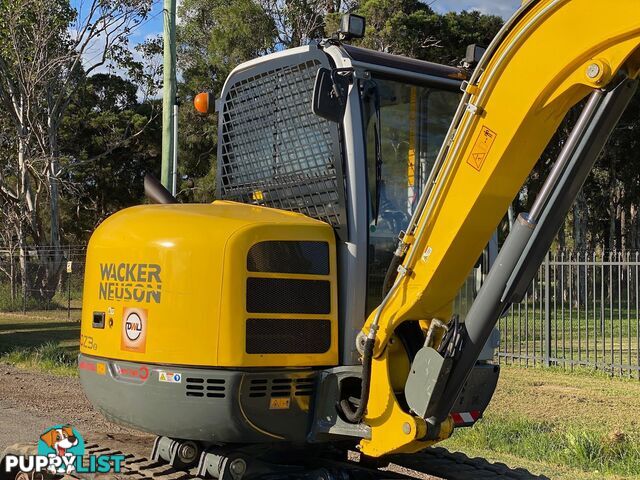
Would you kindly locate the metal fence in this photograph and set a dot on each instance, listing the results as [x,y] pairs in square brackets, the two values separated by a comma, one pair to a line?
[580,310]
[42,278]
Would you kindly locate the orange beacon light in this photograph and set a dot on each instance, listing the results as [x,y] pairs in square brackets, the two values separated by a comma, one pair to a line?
[202,104]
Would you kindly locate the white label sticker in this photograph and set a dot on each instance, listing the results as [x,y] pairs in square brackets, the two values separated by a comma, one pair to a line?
[169,377]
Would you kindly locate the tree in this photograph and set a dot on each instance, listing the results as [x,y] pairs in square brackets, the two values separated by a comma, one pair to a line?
[213,38]
[110,140]
[47,49]
[412,28]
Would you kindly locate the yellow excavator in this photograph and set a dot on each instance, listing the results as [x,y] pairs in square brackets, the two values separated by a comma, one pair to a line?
[337,293]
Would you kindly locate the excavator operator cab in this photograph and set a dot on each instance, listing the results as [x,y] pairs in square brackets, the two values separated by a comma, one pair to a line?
[358,160]
[241,322]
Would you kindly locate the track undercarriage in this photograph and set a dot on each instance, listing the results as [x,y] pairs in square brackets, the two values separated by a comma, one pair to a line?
[175,460]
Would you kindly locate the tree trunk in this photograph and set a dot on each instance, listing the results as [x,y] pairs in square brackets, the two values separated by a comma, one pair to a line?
[632,226]
[580,222]
[53,258]
[613,210]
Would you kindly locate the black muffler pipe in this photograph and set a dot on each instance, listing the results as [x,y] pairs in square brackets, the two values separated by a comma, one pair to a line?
[524,249]
[156,192]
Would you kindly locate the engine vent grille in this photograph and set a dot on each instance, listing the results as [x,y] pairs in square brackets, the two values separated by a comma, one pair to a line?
[205,387]
[281,387]
[286,295]
[284,335]
[259,387]
[310,258]
[305,387]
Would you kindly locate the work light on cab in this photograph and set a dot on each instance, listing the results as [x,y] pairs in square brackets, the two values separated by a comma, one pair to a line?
[351,26]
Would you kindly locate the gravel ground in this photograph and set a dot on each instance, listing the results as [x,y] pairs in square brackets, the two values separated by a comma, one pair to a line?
[32,401]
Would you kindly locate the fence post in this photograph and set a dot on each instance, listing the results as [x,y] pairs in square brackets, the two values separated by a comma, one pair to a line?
[547,311]
[25,290]
[69,273]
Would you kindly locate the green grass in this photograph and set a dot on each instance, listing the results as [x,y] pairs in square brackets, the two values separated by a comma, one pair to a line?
[613,340]
[565,425]
[50,357]
[59,301]
[41,340]
[625,321]
[590,451]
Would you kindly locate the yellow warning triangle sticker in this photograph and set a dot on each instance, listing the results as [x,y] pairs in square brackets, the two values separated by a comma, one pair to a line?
[163,377]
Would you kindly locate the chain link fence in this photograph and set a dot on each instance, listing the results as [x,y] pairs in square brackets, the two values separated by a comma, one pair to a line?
[581,310]
[42,278]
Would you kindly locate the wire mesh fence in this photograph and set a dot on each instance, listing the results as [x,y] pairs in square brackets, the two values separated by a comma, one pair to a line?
[41,278]
[580,310]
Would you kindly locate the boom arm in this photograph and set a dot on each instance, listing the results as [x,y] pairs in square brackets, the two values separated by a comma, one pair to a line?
[548,57]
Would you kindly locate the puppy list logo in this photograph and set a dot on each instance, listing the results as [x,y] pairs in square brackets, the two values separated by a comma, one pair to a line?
[61,450]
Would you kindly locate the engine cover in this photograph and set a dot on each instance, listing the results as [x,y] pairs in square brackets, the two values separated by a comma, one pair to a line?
[211,285]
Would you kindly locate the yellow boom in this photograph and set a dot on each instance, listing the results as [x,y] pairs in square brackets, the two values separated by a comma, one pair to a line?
[548,57]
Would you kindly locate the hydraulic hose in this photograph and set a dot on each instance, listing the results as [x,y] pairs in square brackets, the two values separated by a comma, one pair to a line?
[392,272]
[354,416]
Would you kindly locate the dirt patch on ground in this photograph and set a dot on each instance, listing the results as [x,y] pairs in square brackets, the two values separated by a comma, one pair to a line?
[61,399]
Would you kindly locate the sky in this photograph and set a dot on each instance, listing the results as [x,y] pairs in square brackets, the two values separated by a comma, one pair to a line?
[502,8]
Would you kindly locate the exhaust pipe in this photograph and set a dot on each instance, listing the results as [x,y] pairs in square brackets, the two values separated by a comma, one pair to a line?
[156,192]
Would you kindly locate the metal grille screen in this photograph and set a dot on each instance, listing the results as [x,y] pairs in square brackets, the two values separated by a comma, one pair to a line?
[274,150]
[285,335]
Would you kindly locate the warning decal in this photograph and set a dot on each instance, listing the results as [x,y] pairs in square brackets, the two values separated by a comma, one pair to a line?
[169,377]
[481,148]
[279,403]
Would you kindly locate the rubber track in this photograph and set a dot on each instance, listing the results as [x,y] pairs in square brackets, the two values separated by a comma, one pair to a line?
[437,462]
[441,463]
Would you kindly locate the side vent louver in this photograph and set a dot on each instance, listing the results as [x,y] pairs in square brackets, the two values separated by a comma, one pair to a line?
[281,387]
[258,388]
[304,387]
[201,387]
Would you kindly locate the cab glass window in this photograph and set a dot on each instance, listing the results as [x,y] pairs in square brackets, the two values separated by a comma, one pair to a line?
[413,122]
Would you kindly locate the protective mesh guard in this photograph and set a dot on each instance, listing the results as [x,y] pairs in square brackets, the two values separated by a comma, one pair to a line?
[311,258]
[274,151]
[288,295]
[283,335]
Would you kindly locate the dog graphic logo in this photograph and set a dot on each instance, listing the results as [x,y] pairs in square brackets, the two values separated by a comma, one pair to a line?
[61,441]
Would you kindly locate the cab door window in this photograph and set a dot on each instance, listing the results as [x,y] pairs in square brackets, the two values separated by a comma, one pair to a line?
[413,123]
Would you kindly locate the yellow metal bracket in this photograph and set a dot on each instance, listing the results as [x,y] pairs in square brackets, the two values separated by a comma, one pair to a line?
[392,429]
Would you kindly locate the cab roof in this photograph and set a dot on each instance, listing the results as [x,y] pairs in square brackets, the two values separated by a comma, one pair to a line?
[364,55]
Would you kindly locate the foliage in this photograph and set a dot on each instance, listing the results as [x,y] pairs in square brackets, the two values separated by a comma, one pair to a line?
[50,357]
[75,141]
[44,60]
[213,38]
[412,28]
[590,450]
[110,141]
